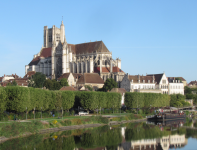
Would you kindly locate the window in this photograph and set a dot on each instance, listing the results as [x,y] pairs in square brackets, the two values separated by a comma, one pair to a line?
[164,81]
[57,37]
[50,38]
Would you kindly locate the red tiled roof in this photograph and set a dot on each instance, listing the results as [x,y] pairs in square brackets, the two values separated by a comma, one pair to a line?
[90,47]
[65,75]
[29,74]
[106,69]
[193,82]
[90,78]
[46,52]
[67,88]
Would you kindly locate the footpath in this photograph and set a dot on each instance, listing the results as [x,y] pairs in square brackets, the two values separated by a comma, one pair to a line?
[74,127]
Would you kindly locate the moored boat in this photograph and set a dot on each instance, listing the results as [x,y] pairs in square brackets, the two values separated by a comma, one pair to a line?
[167,116]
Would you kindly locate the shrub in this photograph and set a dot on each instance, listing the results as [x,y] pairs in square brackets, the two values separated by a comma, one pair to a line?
[66,122]
[76,121]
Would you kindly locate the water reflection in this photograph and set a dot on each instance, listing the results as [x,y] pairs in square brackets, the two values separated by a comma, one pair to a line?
[133,136]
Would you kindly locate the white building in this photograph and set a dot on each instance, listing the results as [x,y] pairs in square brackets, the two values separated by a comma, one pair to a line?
[175,86]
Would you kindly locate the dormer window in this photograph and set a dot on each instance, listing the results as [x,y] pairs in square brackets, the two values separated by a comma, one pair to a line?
[138,81]
[143,81]
[148,81]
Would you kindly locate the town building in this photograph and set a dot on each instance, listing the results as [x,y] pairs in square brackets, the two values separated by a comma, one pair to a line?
[175,86]
[58,57]
[137,83]
[91,79]
[193,84]
[72,78]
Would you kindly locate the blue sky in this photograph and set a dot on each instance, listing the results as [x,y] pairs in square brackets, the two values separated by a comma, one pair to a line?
[150,36]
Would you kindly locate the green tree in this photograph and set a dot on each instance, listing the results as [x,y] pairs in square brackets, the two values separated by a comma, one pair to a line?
[64,82]
[38,80]
[187,90]
[48,84]
[14,83]
[89,88]
[109,84]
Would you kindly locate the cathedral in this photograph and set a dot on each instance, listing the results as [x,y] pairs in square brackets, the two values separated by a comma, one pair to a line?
[58,57]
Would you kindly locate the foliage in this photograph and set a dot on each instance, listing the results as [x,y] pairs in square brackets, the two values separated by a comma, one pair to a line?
[187,90]
[3,97]
[139,131]
[89,88]
[178,100]
[177,78]
[37,80]
[17,98]
[17,128]
[109,84]
[139,100]
[94,100]
[64,82]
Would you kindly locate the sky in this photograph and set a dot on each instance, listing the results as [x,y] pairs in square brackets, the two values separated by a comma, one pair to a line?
[149,36]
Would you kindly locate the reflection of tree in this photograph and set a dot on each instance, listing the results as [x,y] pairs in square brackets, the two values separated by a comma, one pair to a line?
[143,131]
[110,139]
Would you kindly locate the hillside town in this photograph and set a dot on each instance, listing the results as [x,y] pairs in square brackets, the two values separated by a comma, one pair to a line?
[90,64]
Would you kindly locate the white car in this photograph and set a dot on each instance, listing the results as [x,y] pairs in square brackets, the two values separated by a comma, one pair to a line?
[82,113]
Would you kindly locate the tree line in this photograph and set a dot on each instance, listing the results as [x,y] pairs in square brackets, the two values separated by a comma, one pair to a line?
[14,98]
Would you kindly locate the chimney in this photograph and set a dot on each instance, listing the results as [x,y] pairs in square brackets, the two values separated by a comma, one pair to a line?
[4,75]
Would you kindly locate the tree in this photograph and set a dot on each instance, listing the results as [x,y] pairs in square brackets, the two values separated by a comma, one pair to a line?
[48,84]
[64,82]
[38,80]
[14,83]
[187,90]
[89,88]
[109,84]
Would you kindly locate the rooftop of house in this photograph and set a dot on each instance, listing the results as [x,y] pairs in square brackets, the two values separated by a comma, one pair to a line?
[67,88]
[90,78]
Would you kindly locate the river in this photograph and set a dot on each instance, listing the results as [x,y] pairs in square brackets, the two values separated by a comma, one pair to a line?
[181,134]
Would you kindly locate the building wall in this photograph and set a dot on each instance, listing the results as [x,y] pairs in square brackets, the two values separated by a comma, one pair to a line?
[163,84]
[125,83]
[176,88]
[142,86]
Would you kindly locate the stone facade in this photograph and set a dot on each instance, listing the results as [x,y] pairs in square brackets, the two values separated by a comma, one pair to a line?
[58,57]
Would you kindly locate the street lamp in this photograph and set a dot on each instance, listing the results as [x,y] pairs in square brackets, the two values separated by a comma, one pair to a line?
[26,113]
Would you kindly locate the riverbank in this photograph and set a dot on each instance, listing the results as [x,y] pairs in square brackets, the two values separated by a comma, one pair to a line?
[21,129]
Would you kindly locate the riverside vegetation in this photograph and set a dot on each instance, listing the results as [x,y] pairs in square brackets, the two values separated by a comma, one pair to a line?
[93,137]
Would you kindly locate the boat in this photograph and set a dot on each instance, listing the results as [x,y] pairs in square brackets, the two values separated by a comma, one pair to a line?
[163,116]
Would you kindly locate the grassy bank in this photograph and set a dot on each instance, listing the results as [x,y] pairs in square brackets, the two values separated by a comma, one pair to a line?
[19,128]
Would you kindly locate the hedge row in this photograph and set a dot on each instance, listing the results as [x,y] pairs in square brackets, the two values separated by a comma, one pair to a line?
[139,100]
[18,98]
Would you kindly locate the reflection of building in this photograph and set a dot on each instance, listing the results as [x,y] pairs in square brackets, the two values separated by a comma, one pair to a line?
[163,143]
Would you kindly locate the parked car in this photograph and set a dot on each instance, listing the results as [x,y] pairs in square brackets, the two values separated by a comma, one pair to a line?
[83,113]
